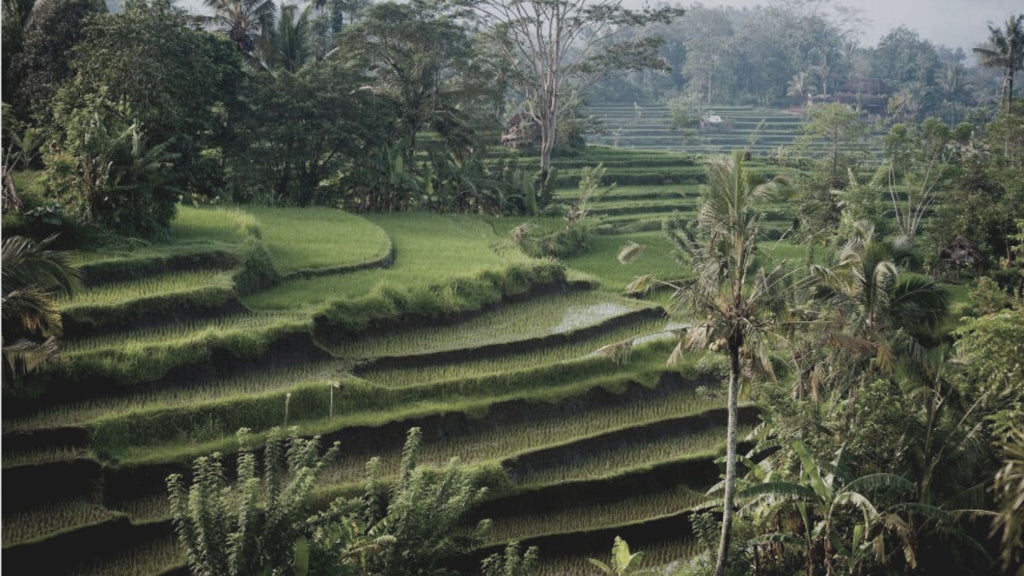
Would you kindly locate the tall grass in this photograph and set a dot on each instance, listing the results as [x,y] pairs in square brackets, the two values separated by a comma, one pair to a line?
[600,261]
[213,226]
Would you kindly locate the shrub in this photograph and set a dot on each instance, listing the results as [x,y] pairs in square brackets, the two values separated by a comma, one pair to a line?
[105,172]
[261,525]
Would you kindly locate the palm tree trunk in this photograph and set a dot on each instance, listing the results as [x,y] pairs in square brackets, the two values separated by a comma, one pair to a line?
[1009,91]
[730,462]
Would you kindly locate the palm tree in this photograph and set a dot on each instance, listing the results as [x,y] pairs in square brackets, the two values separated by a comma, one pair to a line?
[242,20]
[870,301]
[735,304]
[287,45]
[955,87]
[1005,50]
[32,278]
[1009,490]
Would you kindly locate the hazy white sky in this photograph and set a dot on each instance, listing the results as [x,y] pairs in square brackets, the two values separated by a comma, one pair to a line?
[962,23]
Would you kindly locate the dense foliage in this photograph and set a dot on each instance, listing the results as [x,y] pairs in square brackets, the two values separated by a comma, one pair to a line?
[886,369]
[264,524]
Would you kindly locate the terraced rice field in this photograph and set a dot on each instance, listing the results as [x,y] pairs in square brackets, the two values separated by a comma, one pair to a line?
[511,384]
[550,315]
[763,131]
[113,295]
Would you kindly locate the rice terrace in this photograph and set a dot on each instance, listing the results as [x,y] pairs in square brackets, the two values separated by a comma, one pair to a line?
[513,288]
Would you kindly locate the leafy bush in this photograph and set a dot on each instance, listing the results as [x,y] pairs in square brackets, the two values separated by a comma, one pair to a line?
[263,525]
[421,514]
[260,526]
[106,173]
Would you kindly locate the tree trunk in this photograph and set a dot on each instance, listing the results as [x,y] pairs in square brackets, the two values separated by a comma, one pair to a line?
[1009,91]
[730,462]
[547,144]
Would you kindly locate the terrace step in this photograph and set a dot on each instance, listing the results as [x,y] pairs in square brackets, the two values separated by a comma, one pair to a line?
[643,209]
[120,270]
[569,548]
[98,376]
[42,446]
[619,449]
[483,435]
[671,550]
[38,485]
[151,309]
[551,320]
[110,548]
[585,504]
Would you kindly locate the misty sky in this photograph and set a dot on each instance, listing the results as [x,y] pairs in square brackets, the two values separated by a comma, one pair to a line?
[955,23]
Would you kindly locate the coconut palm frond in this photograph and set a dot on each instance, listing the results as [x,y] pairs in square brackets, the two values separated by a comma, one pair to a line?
[677,355]
[918,302]
[617,352]
[641,284]
[879,481]
[29,263]
[630,252]
[24,356]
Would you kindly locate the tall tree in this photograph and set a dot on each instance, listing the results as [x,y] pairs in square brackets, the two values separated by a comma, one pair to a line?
[17,14]
[556,49]
[842,129]
[868,302]
[420,57]
[902,57]
[710,52]
[242,20]
[53,30]
[734,303]
[287,45]
[181,83]
[918,158]
[954,87]
[301,128]
[1005,50]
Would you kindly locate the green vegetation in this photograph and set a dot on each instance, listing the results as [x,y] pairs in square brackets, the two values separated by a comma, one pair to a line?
[306,229]
[319,239]
[61,516]
[467,245]
[535,318]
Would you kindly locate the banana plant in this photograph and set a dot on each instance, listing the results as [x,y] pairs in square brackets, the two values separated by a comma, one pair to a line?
[820,496]
[623,563]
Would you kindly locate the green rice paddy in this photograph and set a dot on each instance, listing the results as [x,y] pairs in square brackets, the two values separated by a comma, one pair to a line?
[312,239]
[429,249]
[520,378]
[535,318]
